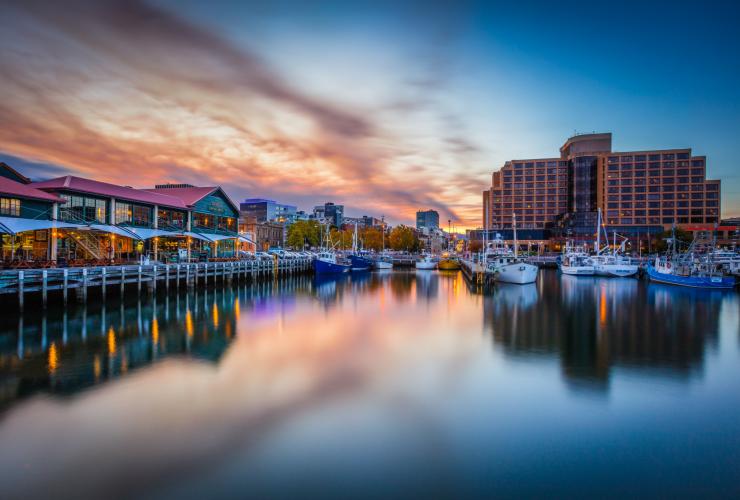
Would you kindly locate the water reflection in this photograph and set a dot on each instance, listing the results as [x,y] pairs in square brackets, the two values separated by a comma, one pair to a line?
[376,383]
[595,324]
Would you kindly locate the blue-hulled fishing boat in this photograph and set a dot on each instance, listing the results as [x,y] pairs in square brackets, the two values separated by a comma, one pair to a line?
[326,263]
[360,263]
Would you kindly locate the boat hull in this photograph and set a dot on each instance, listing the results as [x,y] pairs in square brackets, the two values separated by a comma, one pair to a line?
[717,282]
[577,270]
[426,265]
[615,270]
[360,263]
[449,265]
[322,267]
[381,264]
[518,273]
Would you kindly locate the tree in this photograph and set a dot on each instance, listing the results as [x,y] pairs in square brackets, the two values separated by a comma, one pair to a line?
[341,239]
[304,232]
[372,238]
[404,238]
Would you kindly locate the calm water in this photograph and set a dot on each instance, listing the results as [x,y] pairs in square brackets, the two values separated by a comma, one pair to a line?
[388,384]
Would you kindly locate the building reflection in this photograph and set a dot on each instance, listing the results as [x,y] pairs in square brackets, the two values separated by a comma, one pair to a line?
[596,324]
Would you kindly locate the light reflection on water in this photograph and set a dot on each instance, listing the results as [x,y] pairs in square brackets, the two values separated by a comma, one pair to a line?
[376,384]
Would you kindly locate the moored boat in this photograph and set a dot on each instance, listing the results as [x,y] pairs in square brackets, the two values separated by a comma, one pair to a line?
[449,262]
[576,261]
[326,263]
[426,262]
[506,265]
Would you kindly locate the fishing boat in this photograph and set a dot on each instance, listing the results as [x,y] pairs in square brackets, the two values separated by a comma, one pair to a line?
[689,269]
[576,261]
[449,262]
[614,263]
[360,261]
[426,262]
[507,266]
[326,263]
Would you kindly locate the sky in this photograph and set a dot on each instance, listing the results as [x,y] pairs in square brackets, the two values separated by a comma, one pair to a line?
[385,107]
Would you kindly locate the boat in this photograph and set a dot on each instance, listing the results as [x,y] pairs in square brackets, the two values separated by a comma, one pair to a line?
[449,262]
[689,269]
[360,262]
[576,261]
[426,262]
[507,266]
[614,263]
[326,263]
[383,261]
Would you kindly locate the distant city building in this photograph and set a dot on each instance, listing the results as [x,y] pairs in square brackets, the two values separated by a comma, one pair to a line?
[267,234]
[363,221]
[267,210]
[639,192]
[427,219]
[329,213]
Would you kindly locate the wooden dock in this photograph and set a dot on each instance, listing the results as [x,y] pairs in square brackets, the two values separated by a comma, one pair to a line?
[104,278]
[475,273]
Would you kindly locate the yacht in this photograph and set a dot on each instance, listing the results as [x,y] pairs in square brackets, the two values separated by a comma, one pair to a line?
[507,266]
[613,263]
[426,262]
[383,261]
[449,262]
[576,261]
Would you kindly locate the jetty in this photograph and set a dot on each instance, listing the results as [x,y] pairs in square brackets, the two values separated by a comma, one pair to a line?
[81,280]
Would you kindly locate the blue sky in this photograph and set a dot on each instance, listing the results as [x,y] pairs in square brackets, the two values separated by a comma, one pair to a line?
[386,107]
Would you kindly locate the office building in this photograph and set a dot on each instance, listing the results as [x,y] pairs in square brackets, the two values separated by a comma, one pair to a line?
[267,210]
[329,213]
[427,219]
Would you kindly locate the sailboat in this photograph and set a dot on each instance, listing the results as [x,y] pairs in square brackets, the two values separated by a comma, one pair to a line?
[576,261]
[326,260]
[507,266]
[690,269]
[614,263]
[426,262]
[384,261]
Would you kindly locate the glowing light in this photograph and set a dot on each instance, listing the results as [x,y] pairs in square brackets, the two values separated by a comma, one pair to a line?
[111,341]
[189,323]
[215,315]
[53,361]
[237,311]
[155,331]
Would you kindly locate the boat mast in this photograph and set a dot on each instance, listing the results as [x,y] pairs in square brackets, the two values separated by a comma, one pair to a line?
[598,232]
[516,243]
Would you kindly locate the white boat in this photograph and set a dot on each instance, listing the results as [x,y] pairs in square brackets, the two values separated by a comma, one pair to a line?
[384,261]
[613,263]
[426,262]
[506,265]
[576,261]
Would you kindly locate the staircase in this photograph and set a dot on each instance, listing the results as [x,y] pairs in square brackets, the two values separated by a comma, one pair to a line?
[89,242]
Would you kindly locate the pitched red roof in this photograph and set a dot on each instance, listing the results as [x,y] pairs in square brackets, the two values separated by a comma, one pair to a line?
[189,195]
[89,186]
[13,188]
[192,195]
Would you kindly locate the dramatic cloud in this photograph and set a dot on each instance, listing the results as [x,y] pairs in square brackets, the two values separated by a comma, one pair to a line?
[127,92]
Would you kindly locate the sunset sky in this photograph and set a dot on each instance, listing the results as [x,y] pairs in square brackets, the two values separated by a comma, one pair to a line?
[386,107]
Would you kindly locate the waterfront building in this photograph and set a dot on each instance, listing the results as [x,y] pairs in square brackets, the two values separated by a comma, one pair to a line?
[264,210]
[427,219]
[641,193]
[266,234]
[363,221]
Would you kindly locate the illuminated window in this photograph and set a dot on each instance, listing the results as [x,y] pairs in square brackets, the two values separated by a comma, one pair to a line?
[10,206]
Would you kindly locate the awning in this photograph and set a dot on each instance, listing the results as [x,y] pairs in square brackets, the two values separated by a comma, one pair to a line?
[197,236]
[145,233]
[120,231]
[219,237]
[15,225]
[244,239]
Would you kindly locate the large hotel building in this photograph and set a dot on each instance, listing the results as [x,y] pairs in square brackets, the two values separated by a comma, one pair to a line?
[639,192]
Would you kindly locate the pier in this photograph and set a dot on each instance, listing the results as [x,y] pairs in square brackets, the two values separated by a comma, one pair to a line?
[82,280]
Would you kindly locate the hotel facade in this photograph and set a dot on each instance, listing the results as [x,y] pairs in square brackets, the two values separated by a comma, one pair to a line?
[640,193]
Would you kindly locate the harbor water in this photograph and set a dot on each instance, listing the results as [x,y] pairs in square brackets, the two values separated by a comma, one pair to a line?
[375,385]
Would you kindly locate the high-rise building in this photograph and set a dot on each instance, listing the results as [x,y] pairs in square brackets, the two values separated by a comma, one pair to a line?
[427,219]
[267,210]
[638,191]
[329,213]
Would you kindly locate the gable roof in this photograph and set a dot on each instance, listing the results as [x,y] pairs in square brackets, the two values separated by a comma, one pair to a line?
[89,186]
[192,195]
[13,174]
[14,188]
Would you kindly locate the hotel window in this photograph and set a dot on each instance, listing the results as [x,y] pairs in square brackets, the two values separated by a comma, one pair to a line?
[552,163]
[669,156]
[10,206]
[683,171]
[654,173]
[682,156]
[612,205]
[626,189]
[613,182]
[653,212]
[639,157]
[682,204]
[711,196]
[541,178]
[613,197]
[668,204]
[626,166]
[639,220]
[668,196]
[668,180]
[529,164]
[710,203]
[669,173]
[627,221]
[697,171]
[626,197]
[683,180]
[697,203]
[668,220]
[667,212]
[626,204]
[613,168]
[667,188]
[639,189]
[639,212]
[654,165]
[640,166]
[696,220]
[639,196]
[626,182]
[682,164]
[653,157]
[540,163]
[613,159]
[626,158]
[612,213]
[712,187]
[640,173]
[682,211]
[697,163]
[668,164]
